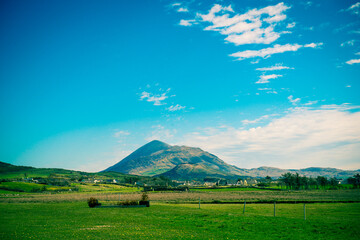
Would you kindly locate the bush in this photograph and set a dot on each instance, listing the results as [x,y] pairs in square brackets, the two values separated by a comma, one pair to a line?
[144,197]
[128,203]
[93,202]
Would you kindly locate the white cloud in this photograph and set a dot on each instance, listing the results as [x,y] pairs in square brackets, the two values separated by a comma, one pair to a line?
[304,137]
[246,122]
[161,133]
[266,78]
[273,68]
[254,26]
[176,107]
[313,45]
[291,25]
[311,103]
[121,133]
[352,61]
[348,43]
[294,101]
[155,98]
[176,4]
[355,8]
[187,23]
[267,52]
[182,9]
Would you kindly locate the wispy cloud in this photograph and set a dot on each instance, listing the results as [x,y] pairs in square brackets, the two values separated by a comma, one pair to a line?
[159,132]
[260,119]
[311,103]
[121,133]
[291,25]
[266,78]
[293,100]
[254,26]
[157,99]
[353,61]
[268,90]
[274,68]
[298,139]
[267,52]
[182,9]
[355,8]
[187,23]
[348,43]
[176,107]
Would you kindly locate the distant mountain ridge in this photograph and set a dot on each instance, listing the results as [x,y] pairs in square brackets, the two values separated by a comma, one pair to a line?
[188,163]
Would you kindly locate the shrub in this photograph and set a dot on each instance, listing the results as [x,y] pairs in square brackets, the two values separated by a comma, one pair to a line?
[128,203]
[93,202]
[144,197]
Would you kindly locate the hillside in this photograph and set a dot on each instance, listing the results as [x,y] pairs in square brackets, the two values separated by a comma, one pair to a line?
[9,171]
[197,171]
[157,157]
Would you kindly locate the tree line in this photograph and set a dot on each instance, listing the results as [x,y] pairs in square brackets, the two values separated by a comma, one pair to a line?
[296,182]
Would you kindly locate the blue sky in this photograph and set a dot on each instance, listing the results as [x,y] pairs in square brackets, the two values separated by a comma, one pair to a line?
[274,83]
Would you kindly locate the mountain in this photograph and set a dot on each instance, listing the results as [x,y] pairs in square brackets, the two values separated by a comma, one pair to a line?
[187,163]
[157,157]
[197,171]
[309,172]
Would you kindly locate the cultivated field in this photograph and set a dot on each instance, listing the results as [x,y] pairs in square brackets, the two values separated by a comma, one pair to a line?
[237,195]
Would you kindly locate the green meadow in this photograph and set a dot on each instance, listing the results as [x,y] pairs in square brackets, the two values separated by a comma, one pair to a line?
[75,220]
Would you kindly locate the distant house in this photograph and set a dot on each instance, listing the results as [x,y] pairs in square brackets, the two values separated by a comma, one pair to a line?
[210,184]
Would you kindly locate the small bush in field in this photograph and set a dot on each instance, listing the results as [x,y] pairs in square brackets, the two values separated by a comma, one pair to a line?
[93,202]
[144,197]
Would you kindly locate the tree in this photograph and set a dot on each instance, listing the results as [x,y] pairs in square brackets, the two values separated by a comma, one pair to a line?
[355,180]
[322,181]
[334,182]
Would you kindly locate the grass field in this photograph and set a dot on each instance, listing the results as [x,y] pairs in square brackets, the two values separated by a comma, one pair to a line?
[75,220]
[237,195]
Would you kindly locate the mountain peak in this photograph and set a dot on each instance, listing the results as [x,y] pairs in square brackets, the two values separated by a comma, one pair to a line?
[142,152]
[157,157]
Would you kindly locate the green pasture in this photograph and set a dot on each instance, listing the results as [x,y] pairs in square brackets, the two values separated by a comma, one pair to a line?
[29,187]
[75,220]
[89,187]
[227,189]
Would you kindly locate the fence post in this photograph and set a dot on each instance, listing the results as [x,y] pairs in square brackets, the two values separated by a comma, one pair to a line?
[304,212]
[244,207]
[274,209]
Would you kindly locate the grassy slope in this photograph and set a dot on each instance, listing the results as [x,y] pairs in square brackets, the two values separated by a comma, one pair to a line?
[77,221]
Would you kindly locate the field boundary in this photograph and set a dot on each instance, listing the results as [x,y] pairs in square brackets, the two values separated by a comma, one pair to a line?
[262,202]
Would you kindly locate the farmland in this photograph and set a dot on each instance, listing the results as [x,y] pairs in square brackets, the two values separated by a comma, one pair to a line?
[74,220]
[235,195]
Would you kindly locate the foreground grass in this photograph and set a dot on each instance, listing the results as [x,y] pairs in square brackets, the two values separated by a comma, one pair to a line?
[179,221]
